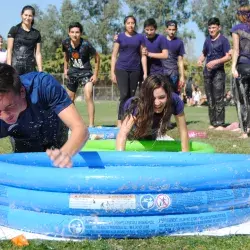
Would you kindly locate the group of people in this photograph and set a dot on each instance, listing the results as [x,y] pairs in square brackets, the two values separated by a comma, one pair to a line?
[37,112]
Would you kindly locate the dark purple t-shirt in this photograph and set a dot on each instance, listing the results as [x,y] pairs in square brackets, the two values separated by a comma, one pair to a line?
[175,48]
[155,45]
[177,109]
[217,49]
[129,52]
[243,30]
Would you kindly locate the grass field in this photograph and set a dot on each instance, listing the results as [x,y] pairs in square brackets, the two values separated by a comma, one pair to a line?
[223,142]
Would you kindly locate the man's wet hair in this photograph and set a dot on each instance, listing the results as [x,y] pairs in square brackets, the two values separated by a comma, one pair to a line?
[9,79]
[150,22]
[213,21]
[171,23]
[76,25]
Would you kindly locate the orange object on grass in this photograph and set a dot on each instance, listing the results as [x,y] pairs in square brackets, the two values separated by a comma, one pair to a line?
[20,241]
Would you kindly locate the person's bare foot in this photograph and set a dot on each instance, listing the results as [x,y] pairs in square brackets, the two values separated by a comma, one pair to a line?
[243,136]
[219,128]
[211,127]
[236,130]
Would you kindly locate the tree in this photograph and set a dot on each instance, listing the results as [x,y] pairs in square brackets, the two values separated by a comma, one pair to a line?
[50,29]
[160,10]
[225,10]
[69,13]
[100,21]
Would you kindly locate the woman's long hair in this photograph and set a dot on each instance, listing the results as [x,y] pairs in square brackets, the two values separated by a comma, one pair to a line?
[145,106]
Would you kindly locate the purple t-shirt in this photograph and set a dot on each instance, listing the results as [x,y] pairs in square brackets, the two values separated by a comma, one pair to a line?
[217,49]
[129,52]
[177,109]
[175,48]
[243,30]
[155,45]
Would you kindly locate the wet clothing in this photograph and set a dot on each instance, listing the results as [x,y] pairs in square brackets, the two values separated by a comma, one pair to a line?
[215,49]
[38,126]
[80,70]
[128,67]
[177,109]
[170,65]
[241,86]
[214,80]
[155,45]
[24,48]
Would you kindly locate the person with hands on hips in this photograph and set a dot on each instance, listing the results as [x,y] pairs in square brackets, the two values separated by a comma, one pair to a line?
[36,113]
[126,69]
[146,116]
[77,67]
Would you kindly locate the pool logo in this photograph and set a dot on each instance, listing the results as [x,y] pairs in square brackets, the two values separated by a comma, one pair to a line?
[162,201]
[147,201]
[76,227]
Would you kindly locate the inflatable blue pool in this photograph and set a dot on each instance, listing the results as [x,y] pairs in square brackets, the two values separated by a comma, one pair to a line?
[124,194]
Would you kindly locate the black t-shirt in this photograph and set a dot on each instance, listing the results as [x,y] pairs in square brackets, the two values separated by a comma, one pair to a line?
[79,57]
[24,43]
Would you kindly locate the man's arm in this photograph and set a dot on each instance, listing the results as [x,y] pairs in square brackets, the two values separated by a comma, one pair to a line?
[215,62]
[94,78]
[181,71]
[65,64]
[162,55]
[78,137]
[201,59]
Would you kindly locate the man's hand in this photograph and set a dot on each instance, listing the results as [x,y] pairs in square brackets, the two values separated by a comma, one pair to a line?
[93,79]
[211,64]
[59,158]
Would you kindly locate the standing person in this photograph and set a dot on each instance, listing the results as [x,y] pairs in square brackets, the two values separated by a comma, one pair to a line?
[216,51]
[188,90]
[173,66]
[155,47]
[36,113]
[24,44]
[146,116]
[3,52]
[241,67]
[126,70]
[77,67]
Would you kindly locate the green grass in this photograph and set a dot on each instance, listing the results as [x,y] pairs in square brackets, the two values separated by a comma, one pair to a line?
[197,119]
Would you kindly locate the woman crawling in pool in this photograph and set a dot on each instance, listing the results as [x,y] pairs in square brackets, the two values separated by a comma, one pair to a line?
[146,116]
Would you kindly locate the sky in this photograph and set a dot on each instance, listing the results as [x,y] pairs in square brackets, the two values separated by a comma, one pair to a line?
[11,9]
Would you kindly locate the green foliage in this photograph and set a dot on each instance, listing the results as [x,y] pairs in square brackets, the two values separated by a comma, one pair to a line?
[100,21]
[55,64]
[69,13]
[225,10]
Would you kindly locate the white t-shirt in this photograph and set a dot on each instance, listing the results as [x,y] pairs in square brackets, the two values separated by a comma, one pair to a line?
[196,96]
[3,56]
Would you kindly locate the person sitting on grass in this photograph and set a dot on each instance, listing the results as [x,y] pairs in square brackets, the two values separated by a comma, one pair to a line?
[36,112]
[146,116]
